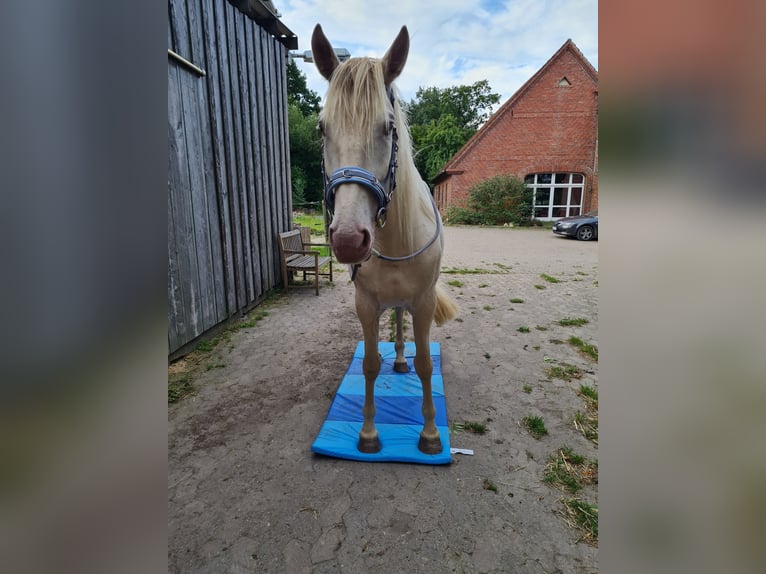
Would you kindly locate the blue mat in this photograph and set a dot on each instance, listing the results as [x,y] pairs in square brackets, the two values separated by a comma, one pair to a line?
[398,400]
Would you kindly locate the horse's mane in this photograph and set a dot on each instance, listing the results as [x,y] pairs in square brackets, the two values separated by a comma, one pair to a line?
[355,98]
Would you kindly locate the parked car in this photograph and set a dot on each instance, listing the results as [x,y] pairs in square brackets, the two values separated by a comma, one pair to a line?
[583,227]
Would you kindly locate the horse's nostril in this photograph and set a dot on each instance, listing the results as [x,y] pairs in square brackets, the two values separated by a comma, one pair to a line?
[366,238]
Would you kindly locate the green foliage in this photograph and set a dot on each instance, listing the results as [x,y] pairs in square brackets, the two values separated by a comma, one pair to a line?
[496,201]
[298,92]
[442,120]
[305,156]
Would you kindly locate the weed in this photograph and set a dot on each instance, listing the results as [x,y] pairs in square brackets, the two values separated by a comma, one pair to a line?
[489,485]
[535,426]
[487,355]
[541,287]
[517,300]
[541,328]
[455,283]
[470,426]
[483,285]
[488,307]
[568,470]
[581,273]
[556,341]
[536,347]
[585,348]
[527,389]
[179,386]
[573,322]
[550,279]
[583,516]
[501,266]
[523,329]
[587,424]
[564,371]
[590,393]
[211,366]
[204,346]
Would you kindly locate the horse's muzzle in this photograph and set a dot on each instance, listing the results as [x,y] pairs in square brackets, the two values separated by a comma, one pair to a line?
[351,243]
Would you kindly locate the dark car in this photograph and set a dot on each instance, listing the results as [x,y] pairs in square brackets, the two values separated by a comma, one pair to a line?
[583,227]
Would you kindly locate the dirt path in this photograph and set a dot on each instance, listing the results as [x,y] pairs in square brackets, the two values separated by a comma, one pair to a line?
[247,495]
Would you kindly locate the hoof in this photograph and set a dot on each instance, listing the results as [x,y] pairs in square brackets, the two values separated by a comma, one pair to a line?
[430,445]
[401,367]
[369,445]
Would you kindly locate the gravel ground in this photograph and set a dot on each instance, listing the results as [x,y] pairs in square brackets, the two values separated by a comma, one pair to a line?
[247,495]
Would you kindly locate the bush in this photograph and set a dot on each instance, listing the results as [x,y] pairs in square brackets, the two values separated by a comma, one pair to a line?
[496,201]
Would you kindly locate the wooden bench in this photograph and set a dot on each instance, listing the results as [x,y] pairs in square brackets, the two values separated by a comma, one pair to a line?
[300,257]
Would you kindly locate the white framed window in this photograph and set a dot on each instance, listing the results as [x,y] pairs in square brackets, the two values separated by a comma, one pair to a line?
[556,195]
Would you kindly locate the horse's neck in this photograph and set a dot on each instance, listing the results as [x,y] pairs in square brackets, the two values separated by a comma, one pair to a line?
[402,216]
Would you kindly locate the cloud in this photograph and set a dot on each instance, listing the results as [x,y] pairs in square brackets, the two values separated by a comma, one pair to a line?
[452,42]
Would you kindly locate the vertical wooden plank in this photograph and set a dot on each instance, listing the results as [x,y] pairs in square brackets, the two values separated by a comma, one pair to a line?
[227,303]
[214,281]
[188,324]
[236,19]
[230,128]
[254,166]
[264,192]
[271,136]
[287,196]
[247,140]
[178,19]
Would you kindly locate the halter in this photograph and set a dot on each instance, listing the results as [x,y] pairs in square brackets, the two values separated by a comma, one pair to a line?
[366,179]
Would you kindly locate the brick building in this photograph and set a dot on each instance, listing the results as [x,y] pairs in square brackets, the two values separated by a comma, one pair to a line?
[546,134]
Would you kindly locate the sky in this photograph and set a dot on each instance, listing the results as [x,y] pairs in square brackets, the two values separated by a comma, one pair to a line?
[452,42]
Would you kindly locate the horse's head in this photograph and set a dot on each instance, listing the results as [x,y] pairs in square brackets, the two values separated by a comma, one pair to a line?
[359,133]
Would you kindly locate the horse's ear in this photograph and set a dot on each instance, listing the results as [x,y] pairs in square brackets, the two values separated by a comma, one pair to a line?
[324,55]
[396,57]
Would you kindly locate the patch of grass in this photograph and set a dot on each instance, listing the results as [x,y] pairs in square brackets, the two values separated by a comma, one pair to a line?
[455,283]
[204,346]
[541,287]
[315,221]
[483,285]
[517,300]
[527,389]
[211,366]
[549,278]
[488,307]
[564,371]
[573,322]
[179,386]
[556,341]
[590,393]
[569,471]
[523,329]
[581,273]
[582,516]
[536,347]
[541,328]
[535,426]
[587,424]
[501,266]
[586,349]
[470,426]
[489,485]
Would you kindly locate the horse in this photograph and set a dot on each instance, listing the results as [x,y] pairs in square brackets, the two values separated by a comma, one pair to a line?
[385,224]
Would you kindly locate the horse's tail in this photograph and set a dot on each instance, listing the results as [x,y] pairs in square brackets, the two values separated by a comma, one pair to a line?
[446,308]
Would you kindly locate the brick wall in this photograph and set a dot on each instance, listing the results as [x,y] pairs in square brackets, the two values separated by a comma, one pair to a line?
[543,128]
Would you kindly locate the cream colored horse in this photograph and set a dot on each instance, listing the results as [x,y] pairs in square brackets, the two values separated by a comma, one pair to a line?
[384,225]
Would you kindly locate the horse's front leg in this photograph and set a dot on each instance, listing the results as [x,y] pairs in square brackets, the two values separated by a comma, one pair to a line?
[369,317]
[430,443]
[400,363]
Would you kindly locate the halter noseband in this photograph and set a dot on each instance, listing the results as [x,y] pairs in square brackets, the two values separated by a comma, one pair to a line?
[366,179]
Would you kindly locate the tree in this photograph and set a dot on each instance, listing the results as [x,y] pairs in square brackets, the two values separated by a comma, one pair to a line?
[441,121]
[305,139]
[305,156]
[298,92]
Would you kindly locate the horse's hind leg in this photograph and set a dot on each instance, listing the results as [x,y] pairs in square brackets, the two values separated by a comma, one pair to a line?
[400,363]
[369,317]
[430,443]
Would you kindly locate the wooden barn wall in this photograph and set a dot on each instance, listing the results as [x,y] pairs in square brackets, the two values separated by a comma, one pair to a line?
[228,165]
